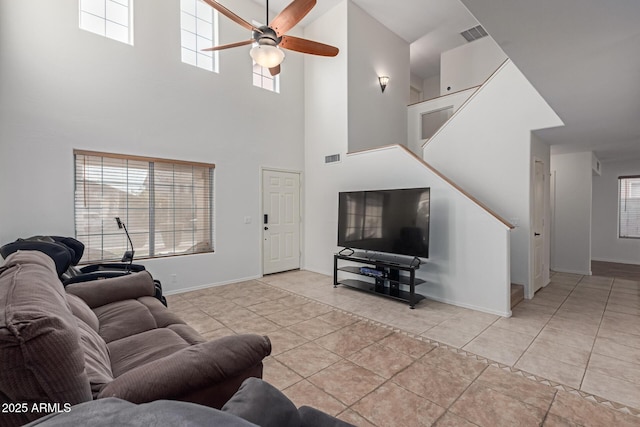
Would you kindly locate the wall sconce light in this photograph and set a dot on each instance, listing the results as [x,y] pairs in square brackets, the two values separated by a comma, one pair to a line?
[383,82]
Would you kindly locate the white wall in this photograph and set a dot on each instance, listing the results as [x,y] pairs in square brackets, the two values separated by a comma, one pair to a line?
[605,243]
[431,87]
[64,88]
[469,65]
[415,112]
[326,124]
[540,150]
[486,149]
[416,83]
[468,261]
[571,214]
[452,268]
[375,118]
[334,91]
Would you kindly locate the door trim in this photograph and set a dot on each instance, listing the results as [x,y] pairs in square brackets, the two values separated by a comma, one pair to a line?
[529,291]
[260,216]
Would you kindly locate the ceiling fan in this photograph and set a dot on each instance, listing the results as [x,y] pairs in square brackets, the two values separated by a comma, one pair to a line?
[272,37]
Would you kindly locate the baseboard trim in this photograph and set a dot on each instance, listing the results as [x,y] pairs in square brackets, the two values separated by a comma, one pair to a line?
[210,285]
[616,261]
[562,270]
[313,270]
[469,306]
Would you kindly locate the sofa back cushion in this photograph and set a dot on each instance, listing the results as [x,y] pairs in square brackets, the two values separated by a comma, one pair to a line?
[41,359]
[81,310]
[96,354]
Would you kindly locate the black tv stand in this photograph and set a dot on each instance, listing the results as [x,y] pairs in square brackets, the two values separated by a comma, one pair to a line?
[385,275]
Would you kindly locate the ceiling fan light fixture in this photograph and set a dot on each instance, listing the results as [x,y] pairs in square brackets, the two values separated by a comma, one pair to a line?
[267,56]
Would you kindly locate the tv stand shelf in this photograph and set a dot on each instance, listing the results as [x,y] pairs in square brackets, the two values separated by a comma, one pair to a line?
[385,276]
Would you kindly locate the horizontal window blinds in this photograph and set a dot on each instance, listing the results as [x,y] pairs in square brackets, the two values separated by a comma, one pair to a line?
[166,205]
[629,208]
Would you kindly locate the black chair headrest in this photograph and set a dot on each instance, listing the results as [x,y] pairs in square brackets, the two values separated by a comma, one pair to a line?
[76,246]
[60,254]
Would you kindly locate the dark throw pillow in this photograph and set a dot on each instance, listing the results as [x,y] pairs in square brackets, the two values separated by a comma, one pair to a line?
[261,403]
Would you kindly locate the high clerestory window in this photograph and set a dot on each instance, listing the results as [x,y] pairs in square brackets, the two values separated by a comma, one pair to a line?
[166,205]
[263,78]
[198,30]
[629,207]
[108,18]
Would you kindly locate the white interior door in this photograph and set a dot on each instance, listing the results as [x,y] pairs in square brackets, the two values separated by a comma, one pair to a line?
[538,225]
[281,221]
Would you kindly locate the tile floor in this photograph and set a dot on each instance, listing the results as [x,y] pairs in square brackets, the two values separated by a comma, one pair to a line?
[570,356]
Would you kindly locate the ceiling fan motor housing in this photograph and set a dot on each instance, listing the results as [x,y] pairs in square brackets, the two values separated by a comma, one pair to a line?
[267,36]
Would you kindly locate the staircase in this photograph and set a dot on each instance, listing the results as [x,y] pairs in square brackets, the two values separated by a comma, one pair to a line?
[485,148]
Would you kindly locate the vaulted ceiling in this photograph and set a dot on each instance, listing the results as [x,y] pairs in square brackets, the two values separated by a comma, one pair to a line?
[581,55]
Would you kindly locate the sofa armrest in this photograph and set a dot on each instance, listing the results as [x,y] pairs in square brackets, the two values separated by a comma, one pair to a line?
[197,367]
[104,291]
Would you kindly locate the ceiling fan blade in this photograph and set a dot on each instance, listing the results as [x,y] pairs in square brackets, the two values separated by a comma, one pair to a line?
[226,12]
[308,46]
[291,15]
[274,71]
[227,46]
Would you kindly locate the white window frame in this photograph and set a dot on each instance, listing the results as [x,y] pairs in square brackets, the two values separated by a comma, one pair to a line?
[263,79]
[629,207]
[112,19]
[198,30]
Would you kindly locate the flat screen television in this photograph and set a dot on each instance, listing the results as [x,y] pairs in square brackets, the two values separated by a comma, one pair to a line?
[390,221]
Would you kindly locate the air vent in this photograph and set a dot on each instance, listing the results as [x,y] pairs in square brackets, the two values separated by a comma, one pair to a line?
[332,158]
[474,33]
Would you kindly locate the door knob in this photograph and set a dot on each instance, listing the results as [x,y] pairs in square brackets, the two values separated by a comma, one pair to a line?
[266,228]
[536,234]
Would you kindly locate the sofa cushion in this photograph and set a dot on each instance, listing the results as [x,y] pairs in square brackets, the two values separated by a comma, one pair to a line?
[96,358]
[130,352]
[187,333]
[96,353]
[162,316]
[110,411]
[41,359]
[105,291]
[123,318]
[82,311]
[207,373]
[261,403]
[312,417]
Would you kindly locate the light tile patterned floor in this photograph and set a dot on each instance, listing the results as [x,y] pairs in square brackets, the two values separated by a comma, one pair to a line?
[570,356]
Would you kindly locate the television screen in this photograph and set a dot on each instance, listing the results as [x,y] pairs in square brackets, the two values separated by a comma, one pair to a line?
[392,221]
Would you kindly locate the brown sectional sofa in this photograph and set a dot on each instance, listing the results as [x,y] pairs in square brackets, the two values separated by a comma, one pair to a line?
[106,338]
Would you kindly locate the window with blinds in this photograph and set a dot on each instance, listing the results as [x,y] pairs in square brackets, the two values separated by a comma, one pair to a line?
[167,206]
[629,207]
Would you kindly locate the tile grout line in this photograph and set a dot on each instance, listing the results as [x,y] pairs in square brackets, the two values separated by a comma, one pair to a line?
[547,322]
[583,395]
[597,333]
